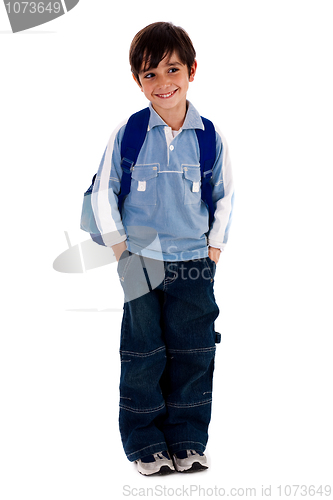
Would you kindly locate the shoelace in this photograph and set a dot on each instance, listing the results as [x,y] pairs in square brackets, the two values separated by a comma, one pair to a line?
[160,456]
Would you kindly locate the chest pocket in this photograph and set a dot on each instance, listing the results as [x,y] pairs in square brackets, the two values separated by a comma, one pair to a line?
[143,185]
[192,181]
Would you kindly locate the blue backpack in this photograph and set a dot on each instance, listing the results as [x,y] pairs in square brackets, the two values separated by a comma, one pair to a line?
[133,139]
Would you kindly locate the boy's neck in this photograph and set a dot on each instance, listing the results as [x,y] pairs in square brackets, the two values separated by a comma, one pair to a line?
[174,117]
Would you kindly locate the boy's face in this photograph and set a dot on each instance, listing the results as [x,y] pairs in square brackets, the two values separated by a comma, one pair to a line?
[166,86]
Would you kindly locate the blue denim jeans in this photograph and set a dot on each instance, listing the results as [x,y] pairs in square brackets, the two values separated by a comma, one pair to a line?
[167,354]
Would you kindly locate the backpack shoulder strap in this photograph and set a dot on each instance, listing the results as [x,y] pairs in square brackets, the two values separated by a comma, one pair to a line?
[134,136]
[207,146]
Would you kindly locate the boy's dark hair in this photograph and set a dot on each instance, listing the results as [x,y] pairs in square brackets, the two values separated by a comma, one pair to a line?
[154,42]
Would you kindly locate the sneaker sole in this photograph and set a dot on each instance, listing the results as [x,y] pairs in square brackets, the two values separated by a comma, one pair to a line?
[196,467]
[164,470]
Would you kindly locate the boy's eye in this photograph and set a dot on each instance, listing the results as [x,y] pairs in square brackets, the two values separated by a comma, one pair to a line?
[151,75]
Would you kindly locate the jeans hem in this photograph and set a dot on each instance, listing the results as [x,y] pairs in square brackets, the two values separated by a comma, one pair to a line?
[148,450]
[186,445]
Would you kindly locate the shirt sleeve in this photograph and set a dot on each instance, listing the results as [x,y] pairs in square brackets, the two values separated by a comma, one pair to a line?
[105,192]
[223,194]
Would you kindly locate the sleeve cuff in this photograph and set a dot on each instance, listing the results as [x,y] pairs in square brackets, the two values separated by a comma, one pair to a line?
[216,246]
[113,238]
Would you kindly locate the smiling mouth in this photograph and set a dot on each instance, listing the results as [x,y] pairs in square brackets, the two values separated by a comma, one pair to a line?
[166,96]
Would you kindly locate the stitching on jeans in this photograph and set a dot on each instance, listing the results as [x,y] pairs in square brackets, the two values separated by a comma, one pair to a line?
[126,267]
[202,349]
[143,354]
[145,410]
[168,281]
[146,448]
[189,405]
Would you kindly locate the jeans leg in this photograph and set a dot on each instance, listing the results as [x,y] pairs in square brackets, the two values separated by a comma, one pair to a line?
[143,359]
[189,313]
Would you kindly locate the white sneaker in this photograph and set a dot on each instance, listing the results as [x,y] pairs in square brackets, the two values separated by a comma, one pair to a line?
[159,463]
[190,461]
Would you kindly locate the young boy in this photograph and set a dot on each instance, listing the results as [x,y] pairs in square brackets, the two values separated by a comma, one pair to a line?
[167,336]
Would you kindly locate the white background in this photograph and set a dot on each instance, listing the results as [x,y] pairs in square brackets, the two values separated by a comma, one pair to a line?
[265,77]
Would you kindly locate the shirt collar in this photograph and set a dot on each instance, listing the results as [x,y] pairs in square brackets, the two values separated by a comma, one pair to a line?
[192,118]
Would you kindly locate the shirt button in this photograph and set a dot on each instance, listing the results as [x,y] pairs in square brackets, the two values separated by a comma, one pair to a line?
[172,147]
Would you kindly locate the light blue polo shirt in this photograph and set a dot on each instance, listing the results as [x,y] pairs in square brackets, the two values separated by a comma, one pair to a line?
[163,216]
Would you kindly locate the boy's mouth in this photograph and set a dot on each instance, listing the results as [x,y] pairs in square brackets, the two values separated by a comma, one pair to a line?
[166,96]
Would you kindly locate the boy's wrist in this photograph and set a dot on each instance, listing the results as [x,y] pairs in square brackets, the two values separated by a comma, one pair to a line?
[214,254]
[118,249]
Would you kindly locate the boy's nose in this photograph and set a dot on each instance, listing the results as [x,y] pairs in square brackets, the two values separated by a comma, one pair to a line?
[163,82]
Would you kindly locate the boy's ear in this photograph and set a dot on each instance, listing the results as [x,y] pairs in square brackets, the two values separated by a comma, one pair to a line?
[137,81]
[193,70]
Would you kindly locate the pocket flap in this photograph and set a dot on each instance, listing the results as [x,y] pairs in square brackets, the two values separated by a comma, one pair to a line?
[144,172]
[192,173]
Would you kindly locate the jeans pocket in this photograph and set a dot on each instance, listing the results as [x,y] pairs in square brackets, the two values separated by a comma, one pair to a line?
[123,264]
[211,265]
[134,276]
